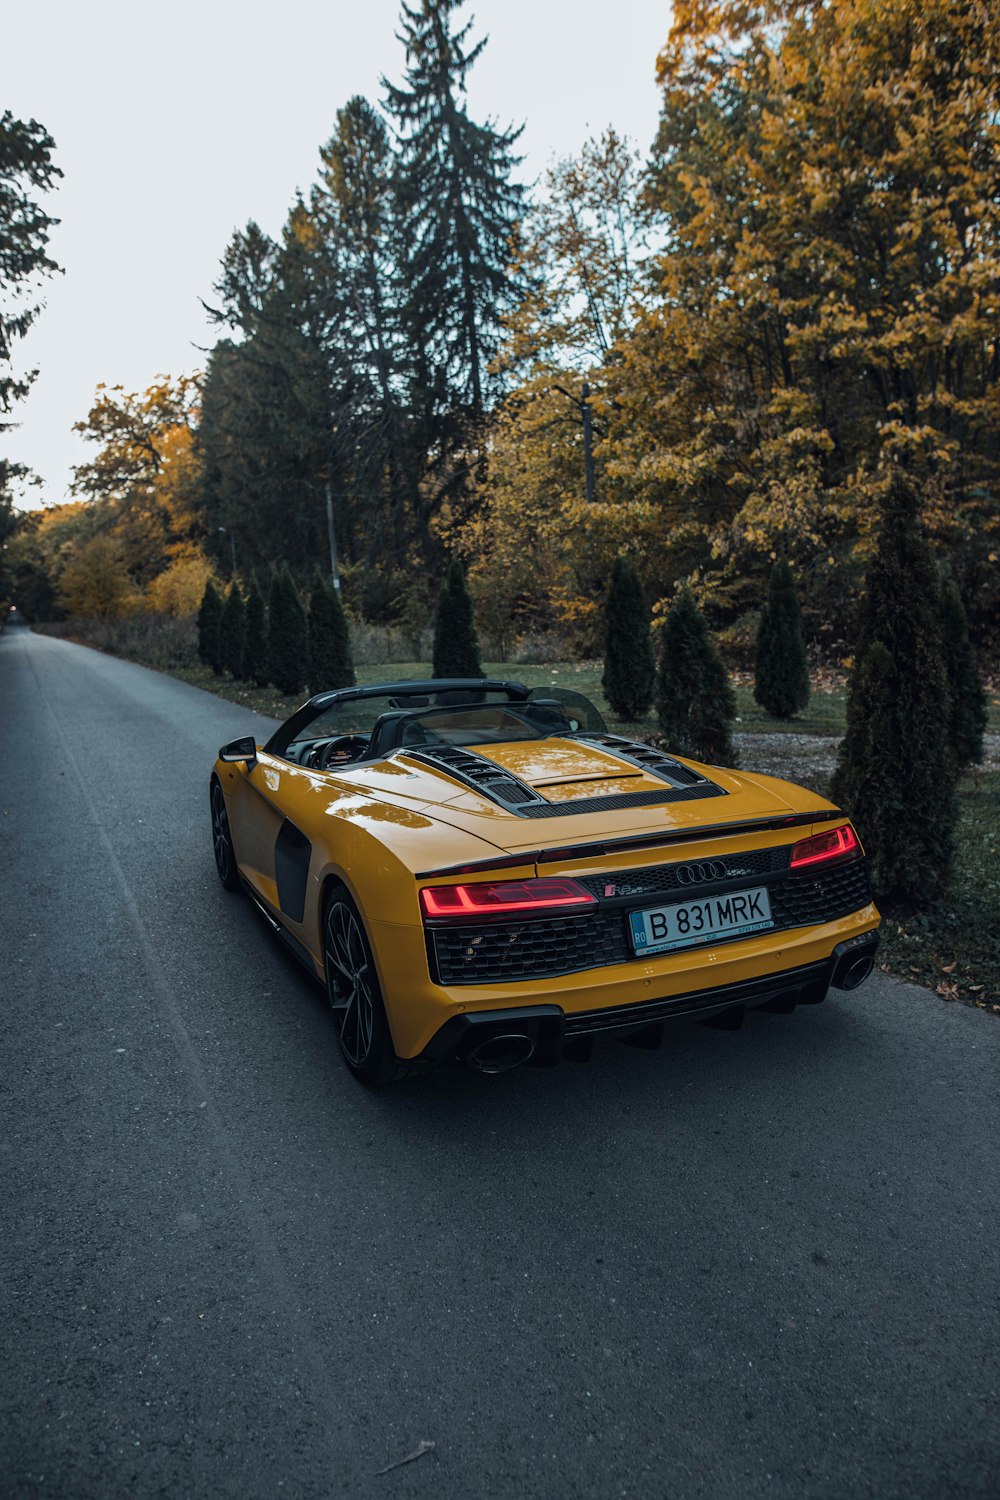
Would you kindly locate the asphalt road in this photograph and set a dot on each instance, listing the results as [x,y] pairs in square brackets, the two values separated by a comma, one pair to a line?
[753,1264]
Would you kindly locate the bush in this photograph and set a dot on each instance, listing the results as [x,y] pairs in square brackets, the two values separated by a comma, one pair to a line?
[179,588]
[629,666]
[694,701]
[97,583]
[895,771]
[456,649]
[330,664]
[253,667]
[967,722]
[232,631]
[209,623]
[288,639]
[781,669]
[163,641]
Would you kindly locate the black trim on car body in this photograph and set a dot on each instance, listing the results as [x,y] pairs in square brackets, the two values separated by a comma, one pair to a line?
[552,1029]
[292,853]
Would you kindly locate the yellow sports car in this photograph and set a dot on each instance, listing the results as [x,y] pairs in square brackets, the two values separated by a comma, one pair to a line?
[483,873]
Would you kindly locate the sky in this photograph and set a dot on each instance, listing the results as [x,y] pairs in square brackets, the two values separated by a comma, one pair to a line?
[176,124]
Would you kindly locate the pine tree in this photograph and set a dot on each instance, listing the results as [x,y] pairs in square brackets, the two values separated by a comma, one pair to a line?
[253,667]
[209,628]
[264,435]
[330,664]
[967,723]
[232,631]
[694,701]
[781,669]
[456,649]
[353,209]
[629,665]
[895,769]
[458,208]
[288,639]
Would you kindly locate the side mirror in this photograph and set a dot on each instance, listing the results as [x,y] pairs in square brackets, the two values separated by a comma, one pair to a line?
[241,749]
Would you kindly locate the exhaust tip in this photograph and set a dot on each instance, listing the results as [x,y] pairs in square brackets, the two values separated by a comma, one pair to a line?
[501,1054]
[853,961]
[855,973]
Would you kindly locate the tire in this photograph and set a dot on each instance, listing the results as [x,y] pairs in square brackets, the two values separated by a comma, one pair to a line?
[355,998]
[222,841]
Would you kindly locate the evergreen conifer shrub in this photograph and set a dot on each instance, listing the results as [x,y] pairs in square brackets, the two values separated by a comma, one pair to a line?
[629,665]
[456,648]
[232,630]
[694,701]
[895,771]
[781,669]
[330,663]
[288,638]
[209,626]
[967,723]
[253,667]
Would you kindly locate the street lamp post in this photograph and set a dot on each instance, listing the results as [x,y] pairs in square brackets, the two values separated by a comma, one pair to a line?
[332,534]
[582,404]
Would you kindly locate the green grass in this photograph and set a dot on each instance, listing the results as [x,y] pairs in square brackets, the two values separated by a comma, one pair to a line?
[954,948]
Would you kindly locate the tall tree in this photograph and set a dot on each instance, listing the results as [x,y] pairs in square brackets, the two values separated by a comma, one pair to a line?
[629,665]
[144,471]
[372,460]
[825,183]
[232,631]
[694,701]
[210,628]
[895,768]
[253,667]
[330,663]
[456,647]
[263,439]
[26,170]
[781,667]
[459,206]
[969,714]
[288,637]
[552,513]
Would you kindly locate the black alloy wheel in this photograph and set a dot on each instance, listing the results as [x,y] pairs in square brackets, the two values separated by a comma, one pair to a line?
[353,988]
[222,841]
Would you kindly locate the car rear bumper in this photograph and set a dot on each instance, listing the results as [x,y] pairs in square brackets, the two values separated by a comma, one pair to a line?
[495,1041]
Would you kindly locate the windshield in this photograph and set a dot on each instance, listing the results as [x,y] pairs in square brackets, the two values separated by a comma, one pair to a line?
[485,724]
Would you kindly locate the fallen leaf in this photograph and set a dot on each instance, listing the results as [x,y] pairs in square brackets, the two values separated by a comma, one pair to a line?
[948,991]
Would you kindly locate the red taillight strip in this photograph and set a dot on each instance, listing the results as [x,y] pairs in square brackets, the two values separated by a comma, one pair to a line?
[840,843]
[497,898]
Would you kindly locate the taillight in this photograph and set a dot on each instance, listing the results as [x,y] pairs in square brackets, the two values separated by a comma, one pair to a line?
[841,843]
[488,898]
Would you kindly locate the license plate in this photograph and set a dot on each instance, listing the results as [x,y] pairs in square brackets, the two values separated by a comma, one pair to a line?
[661,929]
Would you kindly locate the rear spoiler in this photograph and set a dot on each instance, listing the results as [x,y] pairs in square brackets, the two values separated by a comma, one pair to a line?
[601,847]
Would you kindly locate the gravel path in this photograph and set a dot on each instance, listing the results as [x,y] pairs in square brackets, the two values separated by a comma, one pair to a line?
[807,757]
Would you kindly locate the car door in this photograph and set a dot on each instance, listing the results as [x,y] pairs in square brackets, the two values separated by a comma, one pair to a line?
[256,821]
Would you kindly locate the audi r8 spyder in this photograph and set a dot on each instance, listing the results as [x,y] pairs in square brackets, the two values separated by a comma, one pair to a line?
[483,873]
